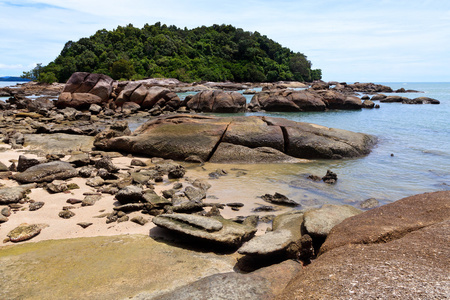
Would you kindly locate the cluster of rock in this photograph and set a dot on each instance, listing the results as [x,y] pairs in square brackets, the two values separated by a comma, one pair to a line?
[404,100]
[235,139]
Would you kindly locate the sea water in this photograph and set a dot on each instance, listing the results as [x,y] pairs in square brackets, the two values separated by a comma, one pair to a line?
[412,154]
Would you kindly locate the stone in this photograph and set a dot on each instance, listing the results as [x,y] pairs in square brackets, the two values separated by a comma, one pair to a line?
[212,229]
[319,222]
[283,240]
[66,214]
[195,194]
[3,167]
[84,224]
[36,205]
[130,207]
[369,203]
[139,220]
[87,171]
[24,232]
[14,194]
[24,163]
[57,186]
[80,159]
[330,177]
[138,163]
[177,172]
[279,199]
[47,172]
[95,181]
[130,194]
[107,164]
[6,211]
[90,200]
[73,201]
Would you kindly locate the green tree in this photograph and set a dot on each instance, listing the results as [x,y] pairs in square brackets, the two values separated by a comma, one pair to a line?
[122,69]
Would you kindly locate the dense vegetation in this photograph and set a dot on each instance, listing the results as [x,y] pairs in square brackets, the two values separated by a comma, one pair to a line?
[215,53]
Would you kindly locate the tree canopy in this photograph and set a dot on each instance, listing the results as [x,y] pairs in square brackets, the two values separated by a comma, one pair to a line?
[215,53]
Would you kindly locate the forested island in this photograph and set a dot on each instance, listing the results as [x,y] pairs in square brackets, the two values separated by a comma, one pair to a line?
[214,53]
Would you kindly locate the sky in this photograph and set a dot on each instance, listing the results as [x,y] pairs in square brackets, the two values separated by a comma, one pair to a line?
[349,40]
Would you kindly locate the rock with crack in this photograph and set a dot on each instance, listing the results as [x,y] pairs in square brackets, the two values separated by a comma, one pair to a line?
[237,139]
[217,101]
[84,89]
[213,229]
[24,232]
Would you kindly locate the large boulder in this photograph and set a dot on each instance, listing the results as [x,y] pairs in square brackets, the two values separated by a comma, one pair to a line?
[147,96]
[237,139]
[47,172]
[287,100]
[337,100]
[215,230]
[400,250]
[83,89]
[217,101]
[390,222]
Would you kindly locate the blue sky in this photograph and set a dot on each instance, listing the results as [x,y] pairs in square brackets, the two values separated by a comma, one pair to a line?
[363,40]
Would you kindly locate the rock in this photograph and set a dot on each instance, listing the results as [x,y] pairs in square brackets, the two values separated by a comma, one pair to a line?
[392,99]
[129,194]
[14,194]
[421,100]
[319,222]
[195,194]
[66,214]
[24,232]
[201,184]
[84,89]
[95,109]
[6,211]
[47,172]
[279,199]
[139,220]
[177,172]
[73,201]
[288,100]
[87,171]
[391,221]
[226,139]
[84,224]
[213,229]
[146,97]
[3,219]
[90,200]
[399,250]
[80,159]
[265,283]
[3,167]
[57,186]
[368,104]
[378,97]
[369,203]
[35,205]
[283,240]
[130,207]
[25,163]
[217,101]
[107,164]
[95,181]
[138,163]
[330,177]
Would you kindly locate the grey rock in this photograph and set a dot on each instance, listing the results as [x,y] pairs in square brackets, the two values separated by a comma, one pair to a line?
[25,163]
[279,199]
[95,181]
[66,214]
[14,194]
[369,203]
[139,220]
[3,167]
[47,172]
[80,159]
[319,222]
[57,186]
[129,194]
[214,229]
[6,211]
[107,164]
[130,207]
[195,194]
[36,205]
[90,200]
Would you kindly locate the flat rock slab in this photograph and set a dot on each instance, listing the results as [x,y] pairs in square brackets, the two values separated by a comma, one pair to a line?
[207,228]
[265,283]
[391,221]
[116,267]
[24,232]
[47,172]
[59,143]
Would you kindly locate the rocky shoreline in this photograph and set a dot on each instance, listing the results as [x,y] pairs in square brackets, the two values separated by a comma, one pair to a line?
[71,168]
